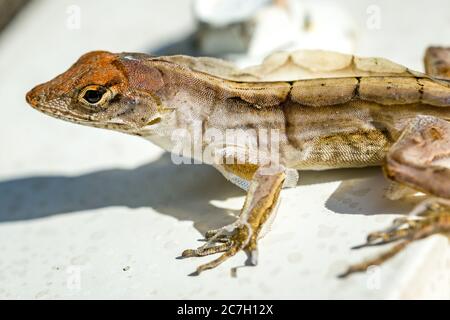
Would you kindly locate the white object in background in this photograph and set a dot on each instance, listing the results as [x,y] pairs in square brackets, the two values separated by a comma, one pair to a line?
[225,12]
[248,31]
[300,25]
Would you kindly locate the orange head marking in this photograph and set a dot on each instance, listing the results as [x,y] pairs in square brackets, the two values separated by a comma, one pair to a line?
[103,89]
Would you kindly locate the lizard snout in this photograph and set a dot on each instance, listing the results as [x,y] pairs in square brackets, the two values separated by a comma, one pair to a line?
[34,96]
[31,98]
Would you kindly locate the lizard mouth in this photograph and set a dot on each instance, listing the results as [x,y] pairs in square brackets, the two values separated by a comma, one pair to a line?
[85,120]
[56,108]
[59,113]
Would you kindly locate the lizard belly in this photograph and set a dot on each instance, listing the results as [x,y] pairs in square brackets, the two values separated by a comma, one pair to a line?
[353,134]
[334,137]
[361,148]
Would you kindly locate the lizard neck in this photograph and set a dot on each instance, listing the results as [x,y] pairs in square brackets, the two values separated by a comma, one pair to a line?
[203,106]
[185,106]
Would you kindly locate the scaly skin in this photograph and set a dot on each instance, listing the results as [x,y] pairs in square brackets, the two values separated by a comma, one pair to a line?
[328,110]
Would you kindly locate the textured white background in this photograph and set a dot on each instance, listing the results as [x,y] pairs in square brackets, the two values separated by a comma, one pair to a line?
[113,212]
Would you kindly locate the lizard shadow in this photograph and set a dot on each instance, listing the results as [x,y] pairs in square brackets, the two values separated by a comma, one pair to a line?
[362,191]
[185,45]
[182,191]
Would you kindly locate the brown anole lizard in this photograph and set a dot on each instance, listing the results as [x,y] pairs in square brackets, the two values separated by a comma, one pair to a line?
[310,110]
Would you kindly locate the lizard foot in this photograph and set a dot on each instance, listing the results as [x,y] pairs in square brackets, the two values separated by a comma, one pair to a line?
[243,234]
[237,239]
[429,217]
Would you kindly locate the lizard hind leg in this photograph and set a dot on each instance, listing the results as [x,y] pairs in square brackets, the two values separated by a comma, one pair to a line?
[419,160]
[430,217]
[437,62]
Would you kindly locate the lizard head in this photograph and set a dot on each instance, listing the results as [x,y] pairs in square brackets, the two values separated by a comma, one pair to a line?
[102,89]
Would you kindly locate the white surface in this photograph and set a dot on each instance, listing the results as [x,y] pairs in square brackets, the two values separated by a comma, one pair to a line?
[87,213]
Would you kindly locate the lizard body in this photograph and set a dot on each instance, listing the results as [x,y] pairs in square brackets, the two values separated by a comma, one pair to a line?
[329,110]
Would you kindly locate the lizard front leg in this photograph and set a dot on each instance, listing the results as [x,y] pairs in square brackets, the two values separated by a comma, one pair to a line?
[262,196]
[419,160]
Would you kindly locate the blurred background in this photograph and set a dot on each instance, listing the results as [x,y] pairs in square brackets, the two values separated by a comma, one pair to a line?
[87,213]
[236,29]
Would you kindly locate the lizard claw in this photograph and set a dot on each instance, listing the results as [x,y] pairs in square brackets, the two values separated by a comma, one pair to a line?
[433,219]
[229,244]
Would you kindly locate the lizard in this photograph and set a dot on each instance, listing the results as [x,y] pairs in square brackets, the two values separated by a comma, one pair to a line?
[323,109]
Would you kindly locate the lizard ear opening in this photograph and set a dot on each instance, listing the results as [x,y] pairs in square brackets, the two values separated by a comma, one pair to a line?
[95,95]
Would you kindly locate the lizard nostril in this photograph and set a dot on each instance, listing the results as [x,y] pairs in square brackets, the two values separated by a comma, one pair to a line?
[33,96]
[29,97]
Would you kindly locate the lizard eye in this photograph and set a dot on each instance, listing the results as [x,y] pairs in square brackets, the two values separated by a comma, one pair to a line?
[95,95]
